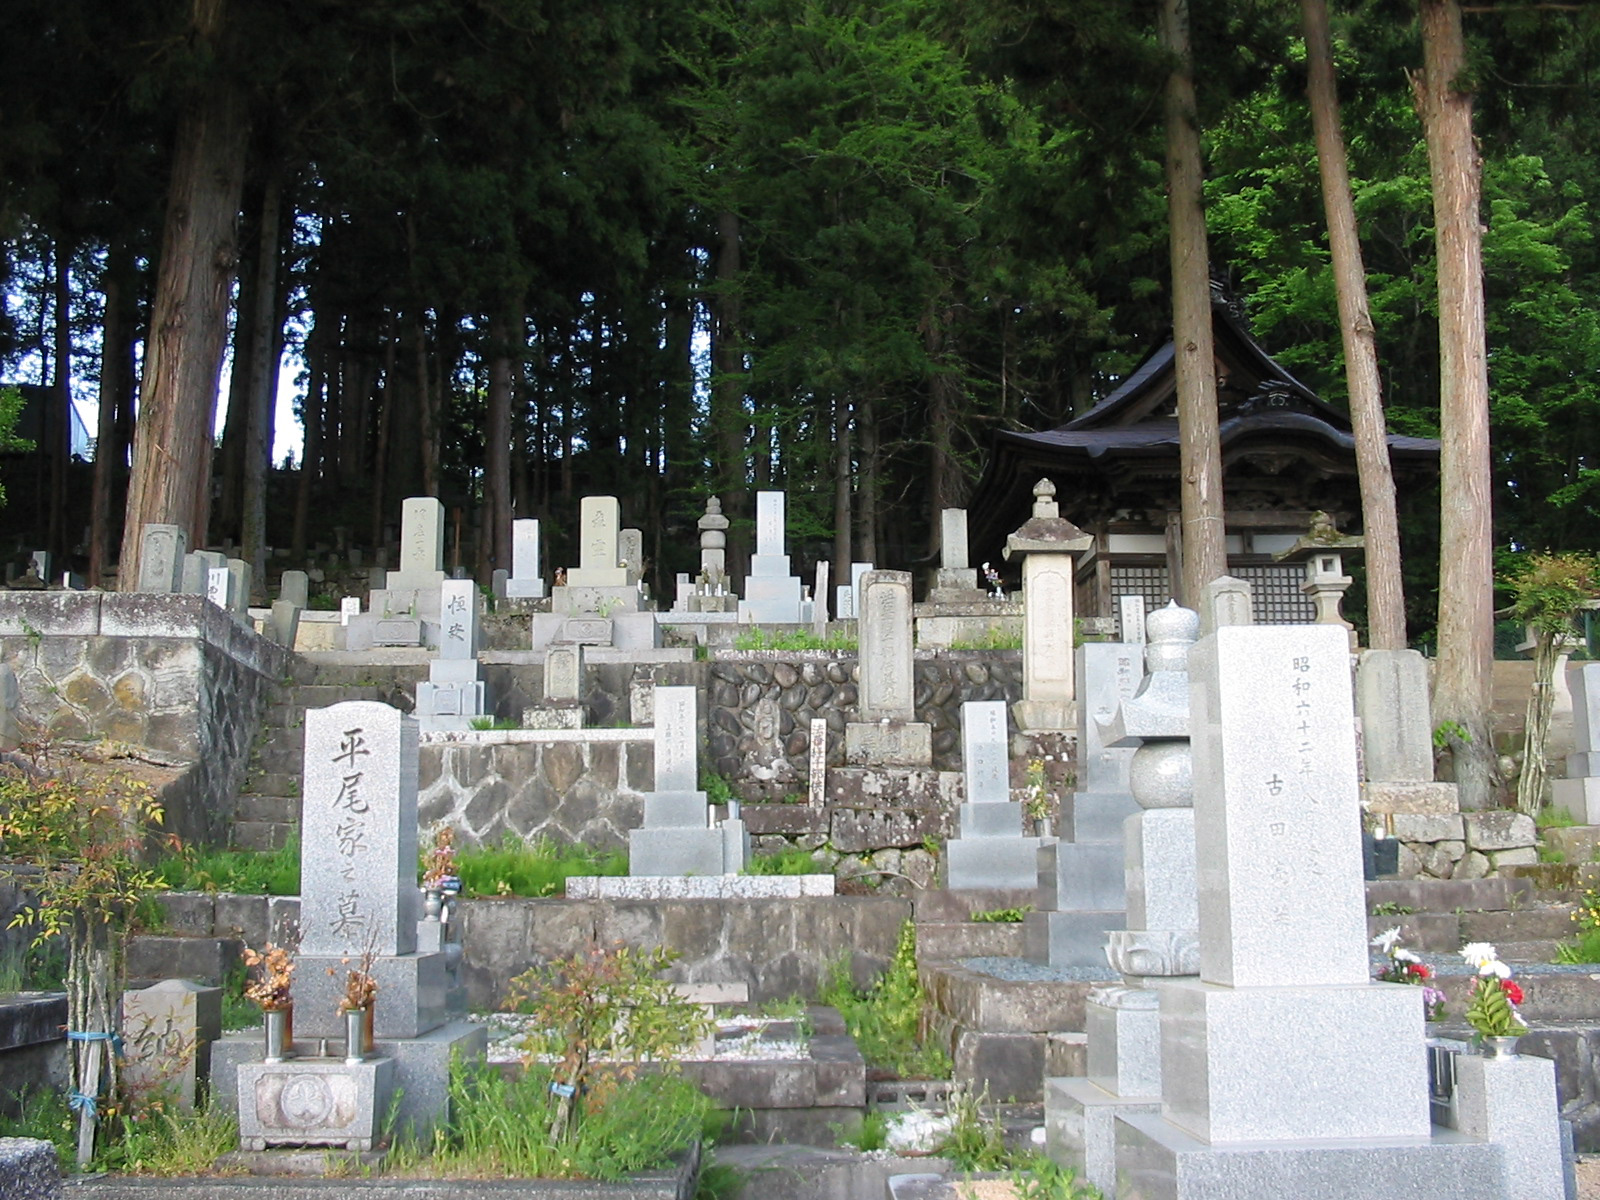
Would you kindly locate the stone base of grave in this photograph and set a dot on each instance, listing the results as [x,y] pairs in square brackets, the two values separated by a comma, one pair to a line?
[421,1066]
[1360,1069]
[1423,799]
[1096,816]
[1122,1025]
[1512,1102]
[525,589]
[1081,876]
[722,850]
[1069,939]
[313,1102]
[581,596]
[367,631]
[725,603]
[1580,797]
[1046,716]
[888,744]
[1080,1128]
[993,862]
[553,715]
[1158,1161]
[412,994]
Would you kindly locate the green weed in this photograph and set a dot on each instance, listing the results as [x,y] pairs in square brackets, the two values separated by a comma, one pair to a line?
[757,638]
[995,638]
[886,1019]
[248,872]
[1002,916]
[537,868]
[1552,817]
[790,861]
[871,1133]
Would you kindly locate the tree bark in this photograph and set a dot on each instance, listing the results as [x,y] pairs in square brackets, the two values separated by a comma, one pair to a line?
[266,349]
[385,416]
[842,497]
[503,324]
[1200,454]
[116,340]
[867,492]
[1463,675]
[1386,609]
[171,480]
[728,416]
[317,360]
[58,429]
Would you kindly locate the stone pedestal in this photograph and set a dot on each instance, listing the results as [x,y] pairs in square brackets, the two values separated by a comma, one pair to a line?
[1512,1102]
[313,1102]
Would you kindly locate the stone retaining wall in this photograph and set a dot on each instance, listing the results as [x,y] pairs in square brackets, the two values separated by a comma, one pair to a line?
[174,674]
[762,703]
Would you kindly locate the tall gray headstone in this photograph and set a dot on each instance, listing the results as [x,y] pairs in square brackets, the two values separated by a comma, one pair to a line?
[161,551]
[953,539]
[675,738]
[526,581]
[819,610]
[677,837]
[358,854]
[1392,700]
[421,544]
[630,553]
[986,752]
[1131,610]
[990,849]
[240,587]
[458,619]
[295,587]
[769,523]
[887,687]
[772,595]
[817,780]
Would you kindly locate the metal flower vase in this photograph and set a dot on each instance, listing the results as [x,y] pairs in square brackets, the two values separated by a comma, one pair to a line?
[357,1035]
[280,1034]
[1500,1047]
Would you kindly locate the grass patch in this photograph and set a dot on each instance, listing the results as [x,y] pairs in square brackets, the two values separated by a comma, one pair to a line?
[790,861]
[483,724]
[757,638]
[886,1019]
[1584,948]
[716,788]
[536,868]
[871,1133]
[993,639]
[1552,817]
[247,872]
[1002,916]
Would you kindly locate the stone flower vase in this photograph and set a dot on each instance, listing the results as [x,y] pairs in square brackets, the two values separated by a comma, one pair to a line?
[279,1025]
[432,903]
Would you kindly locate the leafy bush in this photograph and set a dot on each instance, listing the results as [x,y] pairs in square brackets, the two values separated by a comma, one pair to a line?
[886,1019]
[790,861]
[248,872]
[536,868]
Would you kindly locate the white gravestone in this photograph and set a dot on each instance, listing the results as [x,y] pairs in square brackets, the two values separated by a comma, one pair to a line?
[953,539]
[599,529]
[985,752]
[630,553]
[349,606]
[219,587]
[421,544]
[675,737]
[161,551]
[240,587]
[771,594]
[358,853]
[526,582]
[769,524]
[458,619]
[887,687]
[1131,610]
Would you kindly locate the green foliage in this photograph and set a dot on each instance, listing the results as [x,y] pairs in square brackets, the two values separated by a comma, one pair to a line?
[870,1133]
[716,788]
[789,861]
[501,1127]
[996,638]
[160,1140]
[1553,816]
[43,1114]
[1584,946]
[757,638]
[1002,916]
[886,1019]
[976,1141]
[10,410]
[1039,1177]
[537,868]
[481,724]
[1391,908]
[247,872]
[718,1180]
[1446,732]
[1549,590]
[1489,1010]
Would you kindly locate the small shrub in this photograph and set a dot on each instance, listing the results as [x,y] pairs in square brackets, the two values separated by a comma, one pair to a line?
[976,1142]
[716,788]
[536,868]
[886,1019]
[1003,916]
[790,861]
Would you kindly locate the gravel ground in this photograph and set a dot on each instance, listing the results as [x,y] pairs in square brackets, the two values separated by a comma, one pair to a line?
[1589,1179]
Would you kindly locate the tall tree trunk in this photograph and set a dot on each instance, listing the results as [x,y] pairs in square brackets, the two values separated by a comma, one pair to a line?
[428,426]
[505,350]
[944,396]
[1463,676]
[842,477]
[386,399]
[59,426]
[116,340]
[266,351]
[317,363]
[1200,453]
[867,495]
[230,517]
[1386,608]
[171,480]
[728,416]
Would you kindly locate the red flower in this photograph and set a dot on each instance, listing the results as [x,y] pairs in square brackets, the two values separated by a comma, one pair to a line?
[1512,991]
[1421,970]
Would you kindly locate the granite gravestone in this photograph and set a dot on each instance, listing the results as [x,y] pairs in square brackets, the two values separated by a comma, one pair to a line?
[239,588]
[771,592]
[1048,544]
[677,837]
[167,1033]
[599,528]
[1131,613]
[421,546]
[817,780]
[886,647]
[219,587]
[1579,792]
[526,582]
[630,553]
[453,693]
[161,551]
[990,850]
[295,588]
[955,581]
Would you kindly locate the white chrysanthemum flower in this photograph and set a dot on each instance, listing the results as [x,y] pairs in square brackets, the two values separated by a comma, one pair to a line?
[1496,968]
[1476,954]
[1401,954]
[1386,940]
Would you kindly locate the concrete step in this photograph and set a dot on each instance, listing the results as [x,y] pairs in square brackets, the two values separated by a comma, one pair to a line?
[281,810]
[321,695]
[1560,997]
[1576,843]
[359,674]
[275,758]
[281,714]
[263,783]
[262,835]
[1438,933]
[1549,923]
[1449,895]
[944,941]
[958,904]
[1537,950]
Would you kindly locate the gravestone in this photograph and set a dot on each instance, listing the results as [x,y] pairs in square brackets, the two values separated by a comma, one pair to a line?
[219,587]
[771,592]
[1397,736]
[10,710]
[349,606]
[1228,601]
[1284,958]
[1579,792]
[1049,545]
[295,588]
[1131,611]
[817,779]
[630,553]
[1081,875]
[599,529]
[283,623]
[563,672]
[526,581]
[40,561]
[819,603]
[167,1032]
[453,693]
[421,546]
[886,731]
[239,588]
[955,581]
[990,850]
[677,837]
[161,551]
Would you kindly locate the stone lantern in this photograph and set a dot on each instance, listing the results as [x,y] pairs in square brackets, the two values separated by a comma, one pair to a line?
[1322,550]
[1050,546]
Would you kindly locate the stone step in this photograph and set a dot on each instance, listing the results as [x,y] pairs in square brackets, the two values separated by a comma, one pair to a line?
[321,695]
[1436,933]
[281,714]
[958,904]
[1537,950]
[1561,997]
[945,941]
[281,810]
[360,674]
[1530,925]
[1576,843]
[153,957]
[1451,895]
[262,835]
[263,783]
[275,758]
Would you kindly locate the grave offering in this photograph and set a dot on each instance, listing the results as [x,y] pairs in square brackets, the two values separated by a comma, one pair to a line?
[771,592]
[1122,1021]
[168,1029]
[1049,545]
[990,850]
[359,901]
[677,837]
[887,732]
[1080,877]
[1579,792]
[525,581]
[453,693]
[1284,964]
[161,551]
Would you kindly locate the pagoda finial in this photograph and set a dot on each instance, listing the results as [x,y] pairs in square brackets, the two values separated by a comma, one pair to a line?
[1044,499]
